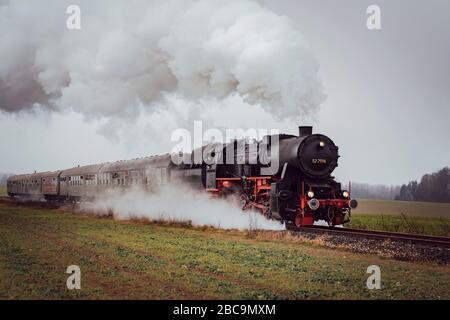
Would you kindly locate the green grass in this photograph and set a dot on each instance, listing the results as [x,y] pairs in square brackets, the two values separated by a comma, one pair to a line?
[407,208]
[402,223]
[135,260]
[3,192]
[402,216]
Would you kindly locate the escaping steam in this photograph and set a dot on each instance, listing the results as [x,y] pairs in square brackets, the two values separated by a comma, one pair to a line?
[130,54]
[190,207]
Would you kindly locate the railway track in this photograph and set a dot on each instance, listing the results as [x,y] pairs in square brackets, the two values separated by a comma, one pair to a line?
[378,235]
[436,241]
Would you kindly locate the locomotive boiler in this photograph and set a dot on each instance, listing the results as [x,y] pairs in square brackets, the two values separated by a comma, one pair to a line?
[298,190]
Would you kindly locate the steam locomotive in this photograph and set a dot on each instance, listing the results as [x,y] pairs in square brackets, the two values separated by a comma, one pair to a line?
[299,190]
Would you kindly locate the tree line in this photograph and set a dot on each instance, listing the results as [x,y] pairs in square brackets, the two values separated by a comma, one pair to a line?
[434,187]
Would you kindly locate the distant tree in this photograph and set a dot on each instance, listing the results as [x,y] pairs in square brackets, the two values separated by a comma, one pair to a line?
[433,187]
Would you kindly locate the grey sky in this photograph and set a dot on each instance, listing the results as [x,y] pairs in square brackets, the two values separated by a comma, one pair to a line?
[387,103]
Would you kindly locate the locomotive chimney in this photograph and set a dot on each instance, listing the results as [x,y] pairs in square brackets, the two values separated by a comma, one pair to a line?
[304,131]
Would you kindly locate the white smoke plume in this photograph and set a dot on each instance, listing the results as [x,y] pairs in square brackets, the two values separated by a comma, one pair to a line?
[179,204]
[134,54]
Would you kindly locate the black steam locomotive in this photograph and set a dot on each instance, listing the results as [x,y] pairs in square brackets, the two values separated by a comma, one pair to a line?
[299,190]
[286,177]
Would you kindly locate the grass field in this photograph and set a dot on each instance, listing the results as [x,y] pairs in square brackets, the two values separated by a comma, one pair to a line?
[408,208]
[135,260]
[3,192]
[402,216]
[399,223]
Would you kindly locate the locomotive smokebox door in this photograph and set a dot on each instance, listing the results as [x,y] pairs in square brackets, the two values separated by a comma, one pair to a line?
[211,177]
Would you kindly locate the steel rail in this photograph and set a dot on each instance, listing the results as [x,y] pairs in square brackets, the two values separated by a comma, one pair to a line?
[379,235]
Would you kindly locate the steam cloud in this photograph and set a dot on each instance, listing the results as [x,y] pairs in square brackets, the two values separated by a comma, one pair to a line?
[192,207]
[136,54]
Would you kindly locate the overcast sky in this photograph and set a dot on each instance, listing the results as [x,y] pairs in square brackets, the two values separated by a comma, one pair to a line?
[387,100]
[388,103]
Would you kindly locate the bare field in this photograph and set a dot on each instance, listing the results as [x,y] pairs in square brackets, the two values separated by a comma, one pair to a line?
[407,208]
[136,260]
